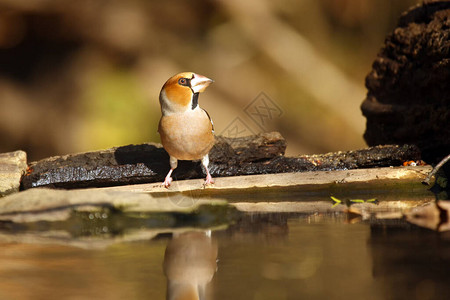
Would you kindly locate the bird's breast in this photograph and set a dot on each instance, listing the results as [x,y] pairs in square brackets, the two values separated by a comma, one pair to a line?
[188,135]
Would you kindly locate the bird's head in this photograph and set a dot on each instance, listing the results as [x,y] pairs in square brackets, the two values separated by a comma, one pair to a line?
[180,92]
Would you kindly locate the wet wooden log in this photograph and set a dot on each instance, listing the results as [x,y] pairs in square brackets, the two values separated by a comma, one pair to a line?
[146,163]
[379,156]
[143,163]
[264,192]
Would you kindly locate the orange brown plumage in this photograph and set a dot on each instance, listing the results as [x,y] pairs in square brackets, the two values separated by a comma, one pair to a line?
[186,130]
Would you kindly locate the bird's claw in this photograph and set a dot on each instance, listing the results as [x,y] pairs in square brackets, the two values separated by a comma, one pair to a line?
[208,180]
[167,182]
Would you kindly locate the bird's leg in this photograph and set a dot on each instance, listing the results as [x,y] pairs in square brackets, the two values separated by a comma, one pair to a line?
[173,166]
[168,179]
[205,163]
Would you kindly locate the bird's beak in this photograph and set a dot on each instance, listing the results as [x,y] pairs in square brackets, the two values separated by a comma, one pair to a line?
[199,83]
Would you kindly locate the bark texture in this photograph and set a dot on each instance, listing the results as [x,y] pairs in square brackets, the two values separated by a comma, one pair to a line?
[258,154]
[408,99]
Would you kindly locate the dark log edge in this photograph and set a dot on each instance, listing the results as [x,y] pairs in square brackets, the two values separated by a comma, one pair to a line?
[147,163]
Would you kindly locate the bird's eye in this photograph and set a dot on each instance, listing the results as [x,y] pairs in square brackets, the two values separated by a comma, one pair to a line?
[183,81]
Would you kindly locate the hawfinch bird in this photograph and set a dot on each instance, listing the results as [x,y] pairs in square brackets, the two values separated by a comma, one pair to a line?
[186,130]
[190,262]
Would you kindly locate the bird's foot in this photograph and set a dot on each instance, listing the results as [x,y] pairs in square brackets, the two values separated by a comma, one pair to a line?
[208,180]
[167,182]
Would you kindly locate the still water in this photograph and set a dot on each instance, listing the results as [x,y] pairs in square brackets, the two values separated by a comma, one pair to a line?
[265,256]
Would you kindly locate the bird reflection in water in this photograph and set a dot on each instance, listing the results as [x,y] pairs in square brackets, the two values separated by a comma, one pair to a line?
[190,262]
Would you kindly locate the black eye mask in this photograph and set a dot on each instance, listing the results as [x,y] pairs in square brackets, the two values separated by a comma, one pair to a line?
[187,82]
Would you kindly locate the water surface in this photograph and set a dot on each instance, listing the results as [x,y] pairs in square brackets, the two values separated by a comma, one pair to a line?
[260,256]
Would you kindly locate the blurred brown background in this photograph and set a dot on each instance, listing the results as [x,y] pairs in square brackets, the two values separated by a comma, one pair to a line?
[85,75]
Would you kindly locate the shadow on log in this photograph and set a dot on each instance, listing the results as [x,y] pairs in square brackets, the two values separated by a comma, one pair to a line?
[258,154]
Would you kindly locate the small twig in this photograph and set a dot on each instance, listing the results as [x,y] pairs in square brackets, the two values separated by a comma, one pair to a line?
[434,171]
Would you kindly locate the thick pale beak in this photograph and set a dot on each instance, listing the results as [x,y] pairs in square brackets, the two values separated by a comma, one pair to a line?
[199,83]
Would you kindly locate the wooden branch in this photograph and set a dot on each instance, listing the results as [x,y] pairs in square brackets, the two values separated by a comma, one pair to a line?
[258,154]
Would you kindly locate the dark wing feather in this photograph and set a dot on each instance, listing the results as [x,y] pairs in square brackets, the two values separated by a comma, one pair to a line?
[212,124]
